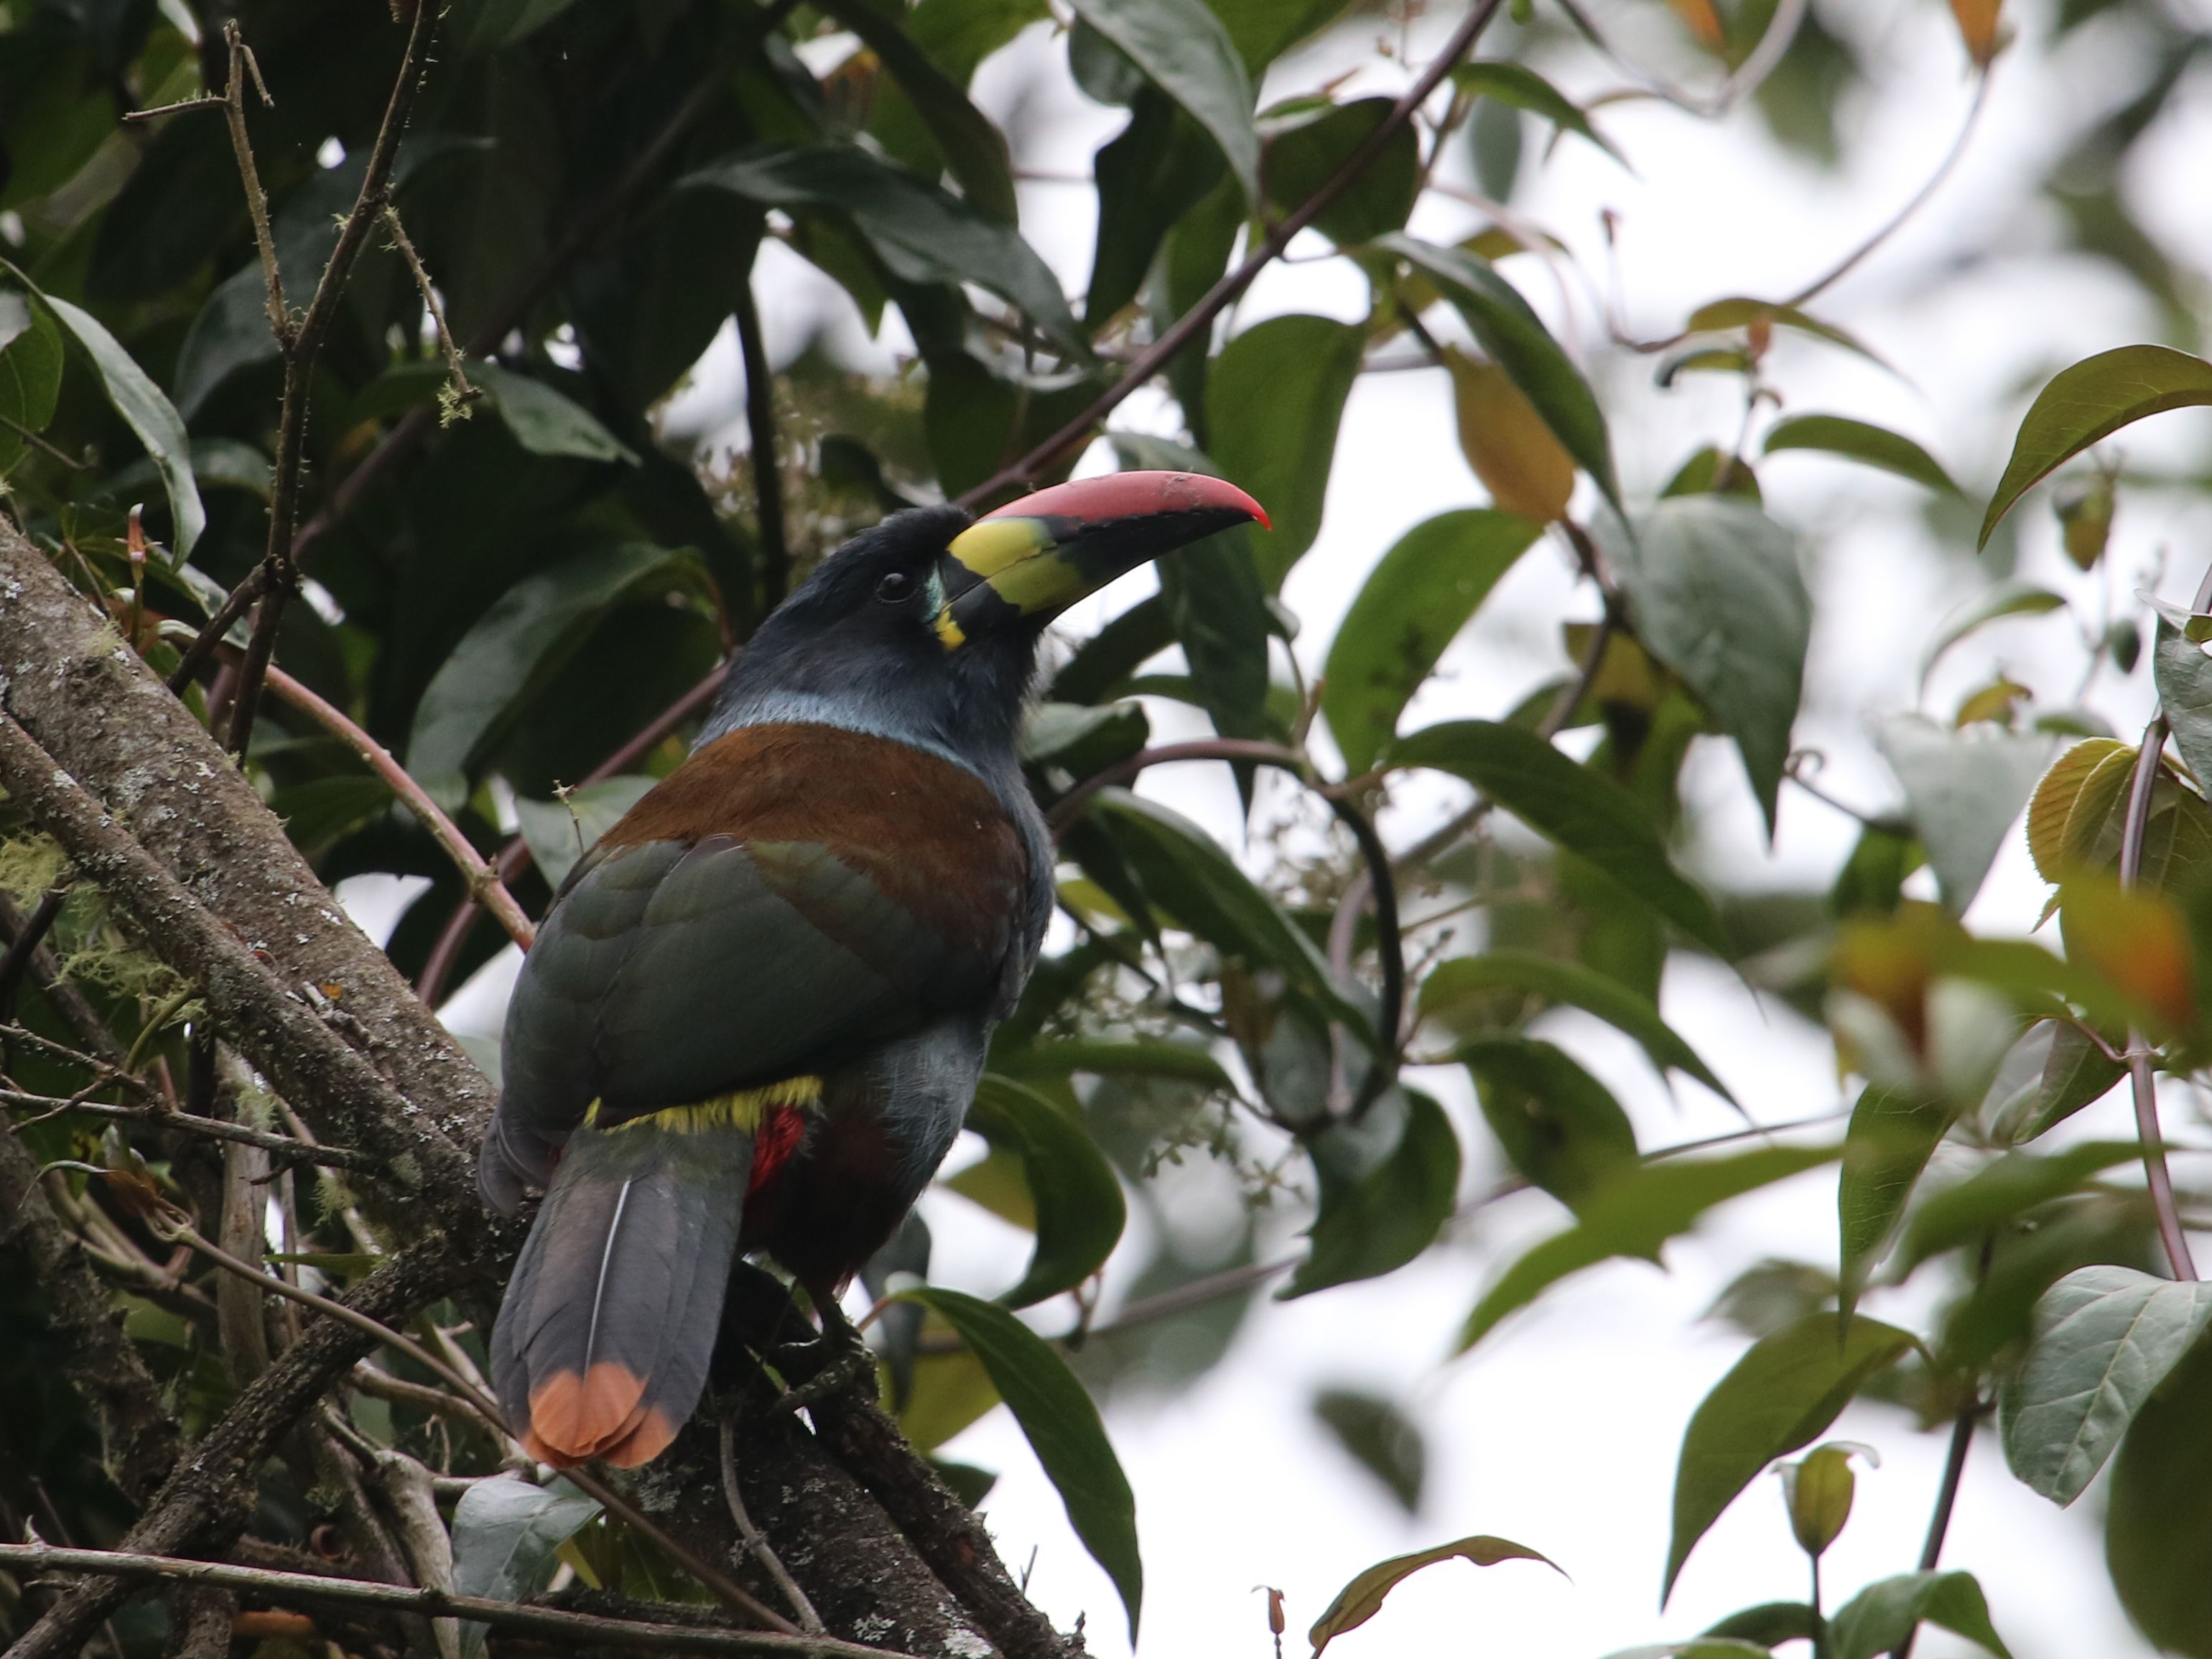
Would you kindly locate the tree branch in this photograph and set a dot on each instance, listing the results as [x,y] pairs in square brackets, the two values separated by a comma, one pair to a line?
[768,477]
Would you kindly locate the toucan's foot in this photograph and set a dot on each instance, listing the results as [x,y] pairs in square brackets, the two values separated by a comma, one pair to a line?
[837,1360]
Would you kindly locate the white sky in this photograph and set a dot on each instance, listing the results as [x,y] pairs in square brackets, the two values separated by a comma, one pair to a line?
[1561,1430]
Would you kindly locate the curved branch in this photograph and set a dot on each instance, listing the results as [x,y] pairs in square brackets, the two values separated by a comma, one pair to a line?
[1199,317]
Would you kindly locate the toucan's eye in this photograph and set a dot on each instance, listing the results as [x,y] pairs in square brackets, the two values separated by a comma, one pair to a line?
[895,588]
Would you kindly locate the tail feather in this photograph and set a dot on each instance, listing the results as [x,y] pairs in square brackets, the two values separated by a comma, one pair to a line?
[601,1343]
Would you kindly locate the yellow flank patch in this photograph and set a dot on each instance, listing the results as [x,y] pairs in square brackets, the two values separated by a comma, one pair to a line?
[990,545]
[742,1109]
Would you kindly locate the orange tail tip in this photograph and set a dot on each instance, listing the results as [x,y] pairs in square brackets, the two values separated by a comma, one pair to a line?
[600,1415]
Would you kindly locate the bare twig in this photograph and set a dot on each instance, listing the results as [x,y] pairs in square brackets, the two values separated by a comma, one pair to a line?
[257,199]
[483,882]
[212,1128]
[17,964]
[770,1562]
[1193,323]
[575,1628]
[767,476]
[461,393]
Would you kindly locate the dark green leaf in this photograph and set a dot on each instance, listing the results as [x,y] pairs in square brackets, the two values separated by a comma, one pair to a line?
[2092,400]
[31,355]
[559,832]
[1063,1428]
[1419,596]
[1079,1209]
[1301,157]
[2002,1189]
[1083,737]
[2105,1338]
[515,648]
[2158,1528]
[1465,980]
[1274,398]
[1964,791]
[147,411]
[1585,812]
[1518,343]
[473,26]
[1521,87]
[505,1533]
[1635,1215]
[1185,51]
[1154,171]
[1875,445]
[1186,874]
[1890,1140]
[1770,1624]
[1262,29]
[1380,1437]
[542,420]
[1872,881]
[1214,602]
[1784,1391]
[974,151]
[2075,1073]
[1715,593]
[1362,1599]
[1559,1126]
[921,234]
[2183,675]
[1137,1058]
[1387,1182]
[1881,1618]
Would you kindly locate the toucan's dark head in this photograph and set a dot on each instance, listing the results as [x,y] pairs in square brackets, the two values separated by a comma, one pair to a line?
[927,625]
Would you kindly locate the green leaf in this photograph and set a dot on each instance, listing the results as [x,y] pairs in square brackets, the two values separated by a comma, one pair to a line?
[1185,51]
[147,411]
[1714,593]
[2092,400]
[1891,1137]
[542,420]
[2000,599]
[1518,343]
[1634,1216]
[1964,791]
[1264,29]
[560,832]
[1062,1427]
[1739,312]
[1380,1437]
[920,234]
[1770,1624]
[1362,1599]
[1420,596]
[1877,447]
[2002,1189]
[1185,872]
[1080,1210]
[1140,1058]
[505,1534]
[1274,398]
[1303,152]
[474,27]
[1782,1394]
[2183,675]
[1215,605]
[2075,1073]
[1519,87]
[1559,1125]
[1465,980]
[1153,174]
[1881,1618]
[31,355]
[1585,812]
[515,648]
[1387,1182]
[2105,1338]
[974,151]
[2158,1528]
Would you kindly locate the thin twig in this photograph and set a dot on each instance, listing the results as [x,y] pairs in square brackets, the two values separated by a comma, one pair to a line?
[212,1128]
[575,1627]
[1201,316]
[759,425]
[2143,1084]
[17,964]
[463,393]
[257,199]
[754,1541]
[483,883]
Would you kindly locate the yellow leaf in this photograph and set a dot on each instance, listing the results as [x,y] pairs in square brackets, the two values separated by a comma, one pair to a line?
[1977,26]
[1994,702]
[2072,802]
[1526,469]
[1704,22]
[2136,941]
[1362,1599]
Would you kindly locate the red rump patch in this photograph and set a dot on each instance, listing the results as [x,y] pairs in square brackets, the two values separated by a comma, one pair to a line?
[777,1138]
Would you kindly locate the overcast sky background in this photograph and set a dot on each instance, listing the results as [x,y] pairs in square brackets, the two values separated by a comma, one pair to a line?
[1561,1431]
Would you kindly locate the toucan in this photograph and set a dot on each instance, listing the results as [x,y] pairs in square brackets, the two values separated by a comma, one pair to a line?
[756,1013]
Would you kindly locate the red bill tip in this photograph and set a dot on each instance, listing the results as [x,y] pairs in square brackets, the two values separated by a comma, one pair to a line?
[1133,496]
